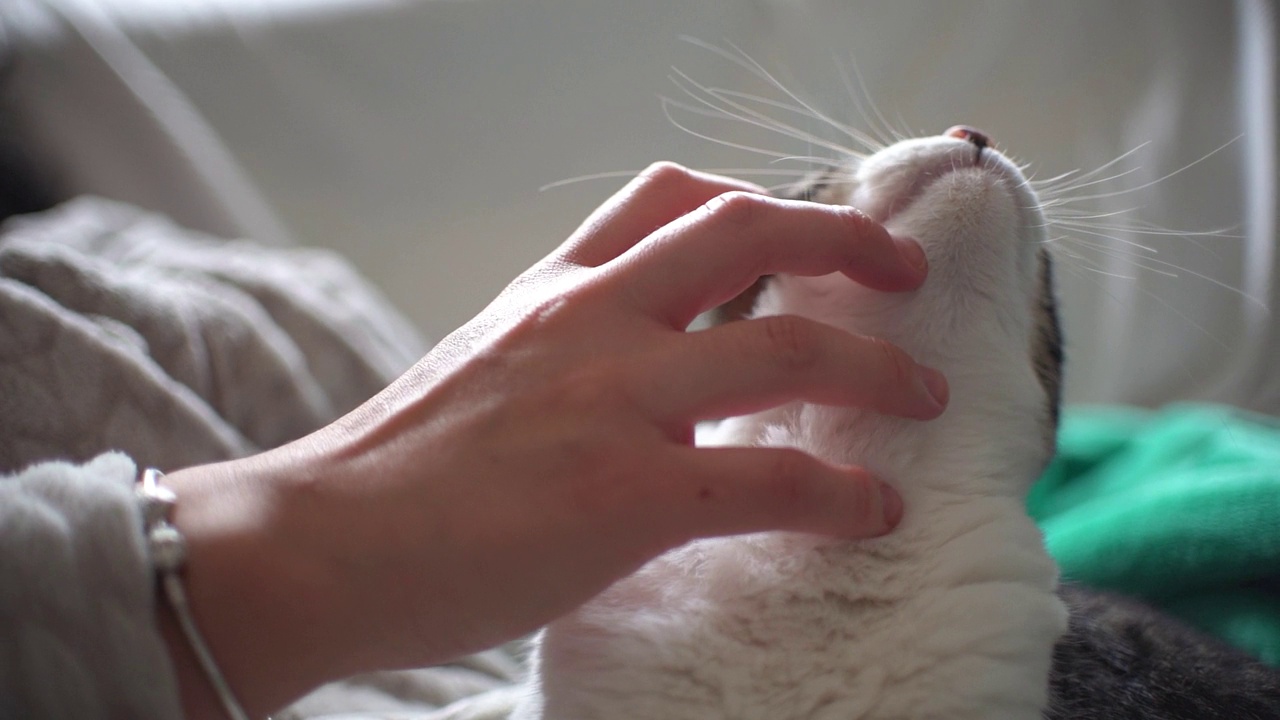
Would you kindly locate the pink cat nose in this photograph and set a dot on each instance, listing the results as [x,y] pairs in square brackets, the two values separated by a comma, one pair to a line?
[973,135]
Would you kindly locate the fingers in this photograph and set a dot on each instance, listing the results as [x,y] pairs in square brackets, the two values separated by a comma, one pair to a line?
[659,195]
[748,366]
[711,255]
[729,491]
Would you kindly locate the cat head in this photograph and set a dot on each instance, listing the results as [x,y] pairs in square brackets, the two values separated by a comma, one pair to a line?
[987,314]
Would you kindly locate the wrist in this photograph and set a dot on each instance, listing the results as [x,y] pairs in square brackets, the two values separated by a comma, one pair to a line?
[259,600]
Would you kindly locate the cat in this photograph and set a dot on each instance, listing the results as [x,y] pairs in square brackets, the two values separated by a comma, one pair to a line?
[955,614]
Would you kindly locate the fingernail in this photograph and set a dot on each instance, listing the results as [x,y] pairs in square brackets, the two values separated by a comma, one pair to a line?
[936,383]
[891,504]
[913,253]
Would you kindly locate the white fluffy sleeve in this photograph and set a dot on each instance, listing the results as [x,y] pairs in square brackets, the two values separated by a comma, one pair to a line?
[78,637]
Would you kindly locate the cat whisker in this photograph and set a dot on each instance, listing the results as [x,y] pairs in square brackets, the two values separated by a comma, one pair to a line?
[749,115]
[1193,237]
[823,160]
[1056,195]
[857,135]
[1159,180]
[709,109]
[1026,168]
[779,187]
[1070,214]
[1139,227]
[1085,267]
[1154,265]
[628,174]
[1108,232]
[762,120]
[1064,201]
[1076,219]
[1119,253]
[668,103]
[1093,270]
[1094,172]
[884,130]
[1186,318]
[745,61]
[775,172]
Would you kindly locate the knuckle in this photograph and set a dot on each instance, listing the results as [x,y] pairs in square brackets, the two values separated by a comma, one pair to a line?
[664,174]
[736,208]
[855,221]
[867,234]
[549,309]
[792,342]
[538,318]
[594,394]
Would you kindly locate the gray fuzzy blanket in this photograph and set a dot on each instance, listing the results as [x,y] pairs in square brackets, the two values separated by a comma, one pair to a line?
[121,331]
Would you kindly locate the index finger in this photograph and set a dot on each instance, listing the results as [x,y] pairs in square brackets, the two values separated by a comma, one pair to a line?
[710,256]
[662,193]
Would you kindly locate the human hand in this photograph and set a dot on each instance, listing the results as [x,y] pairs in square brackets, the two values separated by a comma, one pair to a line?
[544,450]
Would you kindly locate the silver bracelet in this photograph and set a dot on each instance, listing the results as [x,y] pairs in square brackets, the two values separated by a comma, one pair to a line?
[168,551]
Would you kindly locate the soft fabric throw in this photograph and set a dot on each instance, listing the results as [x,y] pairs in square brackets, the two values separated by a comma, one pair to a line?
[120,330]
[1179,506]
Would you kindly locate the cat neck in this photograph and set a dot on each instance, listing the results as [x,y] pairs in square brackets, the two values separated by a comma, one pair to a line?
[963,479]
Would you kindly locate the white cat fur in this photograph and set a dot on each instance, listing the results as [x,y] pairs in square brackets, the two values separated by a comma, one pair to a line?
[951,616]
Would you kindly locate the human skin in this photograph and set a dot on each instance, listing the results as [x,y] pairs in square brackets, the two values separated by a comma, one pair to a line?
[544,450]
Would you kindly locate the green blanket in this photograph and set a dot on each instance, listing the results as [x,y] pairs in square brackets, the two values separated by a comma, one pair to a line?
[1179,506]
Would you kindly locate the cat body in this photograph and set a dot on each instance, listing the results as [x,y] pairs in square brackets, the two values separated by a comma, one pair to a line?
[954,615]
[1122,659]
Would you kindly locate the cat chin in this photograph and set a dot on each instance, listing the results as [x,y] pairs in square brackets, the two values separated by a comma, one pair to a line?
[979,224]
[899,177]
